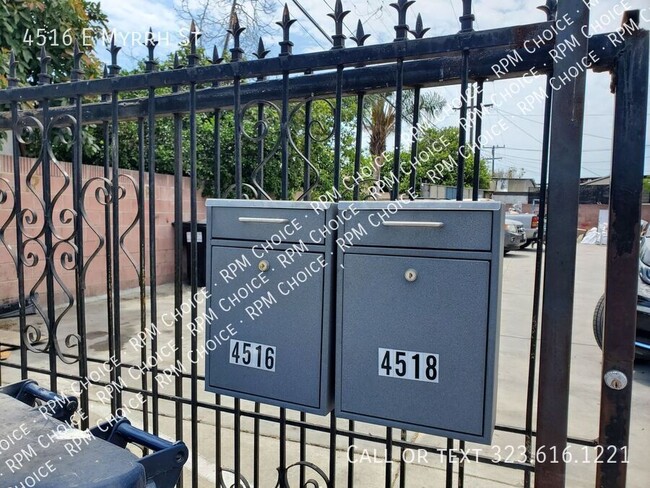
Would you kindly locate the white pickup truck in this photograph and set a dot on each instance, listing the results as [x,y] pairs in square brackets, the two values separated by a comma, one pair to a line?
[530,222]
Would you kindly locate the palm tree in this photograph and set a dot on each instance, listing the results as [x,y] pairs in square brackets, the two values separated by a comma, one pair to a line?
[379,120]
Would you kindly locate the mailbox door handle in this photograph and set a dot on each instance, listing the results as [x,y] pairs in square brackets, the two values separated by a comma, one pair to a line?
[403,223]
[263,220]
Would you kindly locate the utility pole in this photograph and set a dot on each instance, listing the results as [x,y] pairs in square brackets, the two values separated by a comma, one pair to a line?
[493,159]
[472,110]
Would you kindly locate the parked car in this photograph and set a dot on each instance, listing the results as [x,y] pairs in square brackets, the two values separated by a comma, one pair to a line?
[642,308]
[515,235]
[530,222]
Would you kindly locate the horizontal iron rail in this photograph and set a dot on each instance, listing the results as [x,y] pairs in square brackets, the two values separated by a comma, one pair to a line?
[367,79]
[507,37]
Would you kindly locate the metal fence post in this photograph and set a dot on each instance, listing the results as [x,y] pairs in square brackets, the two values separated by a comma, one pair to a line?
[631,84]
[557,310]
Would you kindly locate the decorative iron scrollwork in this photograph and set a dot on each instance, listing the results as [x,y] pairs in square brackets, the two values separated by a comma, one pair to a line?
[243,483]
[283,476]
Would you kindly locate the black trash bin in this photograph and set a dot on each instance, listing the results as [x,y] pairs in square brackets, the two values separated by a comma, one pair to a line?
[201,237]
[40,448]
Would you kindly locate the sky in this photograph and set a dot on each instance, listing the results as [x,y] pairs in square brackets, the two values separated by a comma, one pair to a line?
[511,125]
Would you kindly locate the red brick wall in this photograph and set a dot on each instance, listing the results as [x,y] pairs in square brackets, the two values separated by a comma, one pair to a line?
[128,210]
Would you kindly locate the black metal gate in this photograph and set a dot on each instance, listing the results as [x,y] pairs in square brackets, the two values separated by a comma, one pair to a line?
[54,236]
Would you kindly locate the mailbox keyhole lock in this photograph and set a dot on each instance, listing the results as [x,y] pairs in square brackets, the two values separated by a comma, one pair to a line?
[263,265]
[411,275]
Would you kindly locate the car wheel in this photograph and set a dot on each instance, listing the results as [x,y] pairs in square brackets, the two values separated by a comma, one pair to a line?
[599,322]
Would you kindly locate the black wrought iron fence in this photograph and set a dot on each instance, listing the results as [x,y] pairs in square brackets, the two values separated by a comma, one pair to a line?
[292,126]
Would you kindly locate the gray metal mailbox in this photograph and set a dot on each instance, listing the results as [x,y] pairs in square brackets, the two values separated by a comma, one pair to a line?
[270,278]
[418,290]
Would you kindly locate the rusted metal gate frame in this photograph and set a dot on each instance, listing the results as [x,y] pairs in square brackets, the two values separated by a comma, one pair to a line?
[410,63]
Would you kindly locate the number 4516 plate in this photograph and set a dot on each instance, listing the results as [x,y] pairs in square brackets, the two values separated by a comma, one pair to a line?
[408,365]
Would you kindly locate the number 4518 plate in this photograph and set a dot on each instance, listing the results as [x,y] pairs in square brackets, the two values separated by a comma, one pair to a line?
[408,365]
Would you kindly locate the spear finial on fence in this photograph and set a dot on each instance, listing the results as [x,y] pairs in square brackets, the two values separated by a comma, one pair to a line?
[550,9]
[419,30]
[467,19]
[261,54]
[261,50]
[360,36]
[193,57]
[114,68]
[402,27]
[151,43]
[43,77]
[285,44]
[236,31]
[76,73]
[216,59]
[338,39]
[12,79]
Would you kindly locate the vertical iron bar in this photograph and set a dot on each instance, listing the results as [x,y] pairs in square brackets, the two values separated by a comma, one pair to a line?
[178,268]
[449,467]
[351,452]
[142,274]
[414,140]
[402,462]
[303,448]
[115,155]
[153,293]
[539,253]
[398,129]
[466,26]
[623,253]
[283,445]
[388,482]
[260,160]
[20,269]
[461,466]
[462,128]
[477,141]
[557,309]
[217,191]
[306,184]
[49,255]
[217,152]
[332,461]
[238,131]
[256,447]
[237,436]
[80,285]
[109,252]
[337,127]
[194,274]
[260,142]
[357,150]
[284,135]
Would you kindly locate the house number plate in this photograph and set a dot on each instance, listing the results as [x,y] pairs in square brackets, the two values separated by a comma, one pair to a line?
[408,365]
[252,355]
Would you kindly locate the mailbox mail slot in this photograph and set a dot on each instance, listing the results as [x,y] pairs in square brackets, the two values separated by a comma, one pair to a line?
[418,315]
[269,269]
